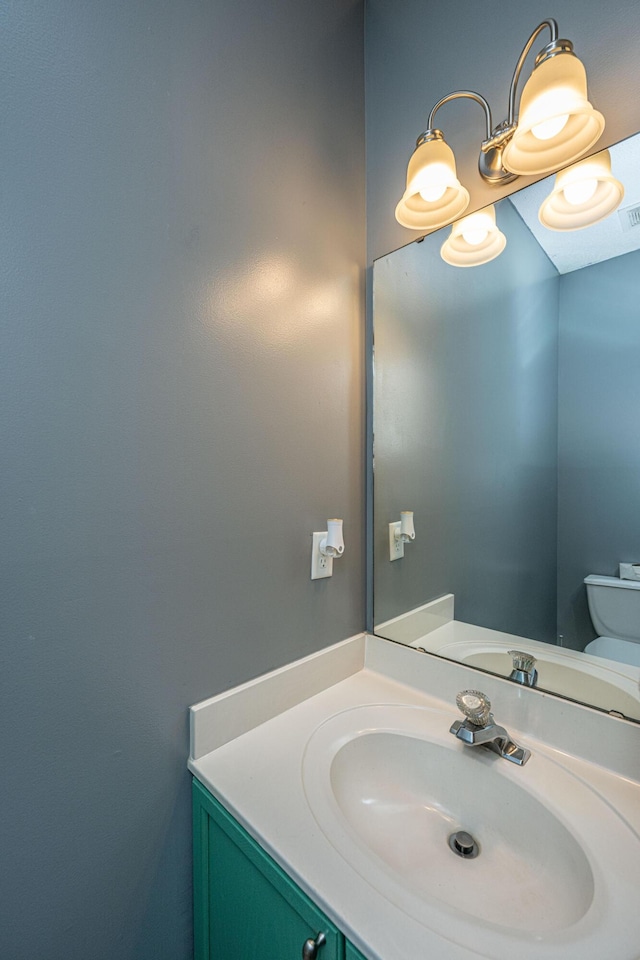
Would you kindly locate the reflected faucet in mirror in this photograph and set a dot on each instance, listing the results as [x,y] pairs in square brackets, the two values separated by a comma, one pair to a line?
[524,668]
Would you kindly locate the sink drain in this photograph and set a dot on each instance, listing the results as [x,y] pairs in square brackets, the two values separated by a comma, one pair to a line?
[463,845]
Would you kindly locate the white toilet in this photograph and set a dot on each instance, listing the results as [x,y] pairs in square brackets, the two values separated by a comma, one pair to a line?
[614,606]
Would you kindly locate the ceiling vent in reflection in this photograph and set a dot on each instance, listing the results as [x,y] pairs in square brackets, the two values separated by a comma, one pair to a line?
[630,217]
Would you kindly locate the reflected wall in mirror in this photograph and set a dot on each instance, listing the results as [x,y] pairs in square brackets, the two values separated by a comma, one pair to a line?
[507,418]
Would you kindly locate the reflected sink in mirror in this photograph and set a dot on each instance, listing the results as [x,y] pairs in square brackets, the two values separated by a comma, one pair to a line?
[607,684]
[606,688]
[557,870]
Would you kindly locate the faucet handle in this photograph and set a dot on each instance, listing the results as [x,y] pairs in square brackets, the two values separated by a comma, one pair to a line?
[522,660]
[524,670]
[476,707]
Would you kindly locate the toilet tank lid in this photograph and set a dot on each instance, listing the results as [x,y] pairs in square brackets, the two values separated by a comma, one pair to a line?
[599,581]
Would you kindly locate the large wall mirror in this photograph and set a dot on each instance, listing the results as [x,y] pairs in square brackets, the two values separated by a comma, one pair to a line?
[507,419]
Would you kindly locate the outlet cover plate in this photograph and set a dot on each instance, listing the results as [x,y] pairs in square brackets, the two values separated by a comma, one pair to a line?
[396,546]
[321,566]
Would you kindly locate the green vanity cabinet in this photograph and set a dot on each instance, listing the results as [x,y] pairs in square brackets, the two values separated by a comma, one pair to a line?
[245,906]
[352,953]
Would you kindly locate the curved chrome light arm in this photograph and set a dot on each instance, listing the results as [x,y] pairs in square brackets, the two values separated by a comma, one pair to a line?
[490,160]
[459,95]
[553,28]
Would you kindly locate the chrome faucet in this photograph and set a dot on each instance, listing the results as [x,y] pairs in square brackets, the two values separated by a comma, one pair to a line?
[524,668]
[480,730]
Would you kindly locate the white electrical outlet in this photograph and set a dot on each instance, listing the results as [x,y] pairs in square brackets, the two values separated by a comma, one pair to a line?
[396,546]
[321,566]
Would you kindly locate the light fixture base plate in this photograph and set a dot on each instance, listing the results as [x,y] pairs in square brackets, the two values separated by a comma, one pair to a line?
[491,168]
[490,160]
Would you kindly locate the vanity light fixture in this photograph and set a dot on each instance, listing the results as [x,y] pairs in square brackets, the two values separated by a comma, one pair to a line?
[326,547]
[557,125]
[583,194]
[474,240]
[401,532]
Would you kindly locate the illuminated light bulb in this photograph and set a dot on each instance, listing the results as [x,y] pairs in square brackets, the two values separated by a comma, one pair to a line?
[433,195]
[474,240]
[475,228]
[550,128]
[431,183]
[475,235]
[432,192]
[556,125]
[583,194]
[580,192]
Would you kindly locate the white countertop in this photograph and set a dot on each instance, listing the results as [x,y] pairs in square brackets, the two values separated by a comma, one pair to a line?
[256,775]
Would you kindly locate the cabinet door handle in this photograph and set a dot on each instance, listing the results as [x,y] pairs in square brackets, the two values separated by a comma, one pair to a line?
[310,947]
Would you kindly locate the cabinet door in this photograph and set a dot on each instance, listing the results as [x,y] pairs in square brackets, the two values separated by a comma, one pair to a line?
[246,907]
[352,953]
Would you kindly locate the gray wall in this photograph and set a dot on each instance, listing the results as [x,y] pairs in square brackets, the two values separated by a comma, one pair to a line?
[418,51]
[598,432]
[466,431]
[182,232]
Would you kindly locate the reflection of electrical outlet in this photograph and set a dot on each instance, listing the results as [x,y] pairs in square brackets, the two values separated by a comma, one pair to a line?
[396,546]
[321,566]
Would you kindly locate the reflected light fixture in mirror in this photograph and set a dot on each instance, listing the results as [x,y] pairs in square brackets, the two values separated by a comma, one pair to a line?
[557,125]
[474,240]
[583,194]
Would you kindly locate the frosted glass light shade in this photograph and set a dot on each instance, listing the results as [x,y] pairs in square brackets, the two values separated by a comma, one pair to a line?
[460,252]
[560,211]
[434,195]
[557,123]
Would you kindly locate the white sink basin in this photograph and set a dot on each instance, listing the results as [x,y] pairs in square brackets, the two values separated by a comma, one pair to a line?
[558,871]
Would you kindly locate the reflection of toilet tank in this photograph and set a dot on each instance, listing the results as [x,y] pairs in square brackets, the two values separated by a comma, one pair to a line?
[614,606]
